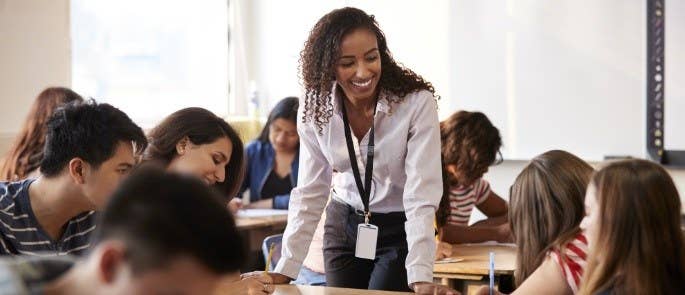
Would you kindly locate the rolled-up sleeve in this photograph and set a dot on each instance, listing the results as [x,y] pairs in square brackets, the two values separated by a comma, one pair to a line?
[307,200]
[423,189]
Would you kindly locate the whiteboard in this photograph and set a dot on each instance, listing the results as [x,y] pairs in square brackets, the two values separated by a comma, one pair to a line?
[565,74]
[674,101]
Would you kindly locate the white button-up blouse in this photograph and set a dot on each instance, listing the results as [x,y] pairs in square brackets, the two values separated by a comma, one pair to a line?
[406,177]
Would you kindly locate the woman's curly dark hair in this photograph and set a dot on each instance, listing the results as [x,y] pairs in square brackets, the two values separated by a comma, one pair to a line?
[322,50]
[471,142]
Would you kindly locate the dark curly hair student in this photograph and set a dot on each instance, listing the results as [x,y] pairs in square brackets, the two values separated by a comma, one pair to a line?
[322,51]
[470,144]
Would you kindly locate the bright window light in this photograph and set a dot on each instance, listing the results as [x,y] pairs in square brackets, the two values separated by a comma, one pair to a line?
[150,58]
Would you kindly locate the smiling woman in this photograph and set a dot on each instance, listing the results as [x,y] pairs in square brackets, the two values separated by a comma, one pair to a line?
[197,142]
[352,82]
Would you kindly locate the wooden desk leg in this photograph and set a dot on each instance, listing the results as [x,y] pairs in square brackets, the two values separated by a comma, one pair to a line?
[445,281]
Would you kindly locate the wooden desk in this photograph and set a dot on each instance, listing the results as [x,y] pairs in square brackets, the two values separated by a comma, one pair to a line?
[315,290]
[253,231]
[472,272]
[261,222]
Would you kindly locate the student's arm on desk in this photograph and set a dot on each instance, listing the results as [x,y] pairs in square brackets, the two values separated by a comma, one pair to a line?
[495,208]
[261,204]
[546,279]
[496,227]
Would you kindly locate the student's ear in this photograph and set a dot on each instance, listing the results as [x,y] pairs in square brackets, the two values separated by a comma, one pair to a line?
[77,170]
[111,262]
[182,145]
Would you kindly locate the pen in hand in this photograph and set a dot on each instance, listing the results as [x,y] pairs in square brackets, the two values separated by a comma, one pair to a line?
[268,259]
[491,272]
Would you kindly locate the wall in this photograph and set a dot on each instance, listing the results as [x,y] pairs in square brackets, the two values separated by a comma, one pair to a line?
[34,54]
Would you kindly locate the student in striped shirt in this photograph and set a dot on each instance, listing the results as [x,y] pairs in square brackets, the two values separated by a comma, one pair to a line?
[470,144]
[89,148]
[159,234]
[546,209]
[633,226]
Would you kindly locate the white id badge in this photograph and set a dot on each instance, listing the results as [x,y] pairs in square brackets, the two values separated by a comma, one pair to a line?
[367,235]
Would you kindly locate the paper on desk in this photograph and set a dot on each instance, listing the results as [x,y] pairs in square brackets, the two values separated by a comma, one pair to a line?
[248,213]
[490,243]
[449,260]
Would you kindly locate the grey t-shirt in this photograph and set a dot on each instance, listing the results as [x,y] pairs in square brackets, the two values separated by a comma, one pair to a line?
[22,275]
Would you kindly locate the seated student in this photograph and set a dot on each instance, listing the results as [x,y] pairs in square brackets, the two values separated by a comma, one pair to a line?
[272,159]
[546,210]
[89,149]
[159,234]
[633,227]
[23,158]
[470,144]
[195,141]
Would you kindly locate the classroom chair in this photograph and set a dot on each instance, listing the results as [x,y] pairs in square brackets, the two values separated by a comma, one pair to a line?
[268,241]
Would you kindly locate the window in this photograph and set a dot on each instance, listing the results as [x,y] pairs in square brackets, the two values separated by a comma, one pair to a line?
[151,58]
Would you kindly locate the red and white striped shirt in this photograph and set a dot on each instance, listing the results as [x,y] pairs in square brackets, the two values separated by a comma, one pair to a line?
[463,199]
[574,260]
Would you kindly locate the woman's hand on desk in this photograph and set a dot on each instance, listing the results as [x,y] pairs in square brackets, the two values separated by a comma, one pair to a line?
[246,286]
[426,288]
[274,277]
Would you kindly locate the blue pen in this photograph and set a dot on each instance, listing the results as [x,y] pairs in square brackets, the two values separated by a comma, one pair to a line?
[492,272]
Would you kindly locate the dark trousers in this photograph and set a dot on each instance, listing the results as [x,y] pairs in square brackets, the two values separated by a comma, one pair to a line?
[343,269]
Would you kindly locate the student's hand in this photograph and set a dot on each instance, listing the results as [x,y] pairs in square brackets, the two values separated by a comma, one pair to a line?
[273,277]
[235,204]
[504,233]
[261,204]
[248,286]
[426,288]
[442,250]
[485,290]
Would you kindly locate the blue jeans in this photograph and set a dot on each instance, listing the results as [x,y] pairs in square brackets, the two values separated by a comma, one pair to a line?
[310,277]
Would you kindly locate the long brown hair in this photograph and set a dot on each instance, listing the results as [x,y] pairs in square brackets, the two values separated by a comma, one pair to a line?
[471,142]
[322,50]
[639,246]
[546,207]
[27,149]
[201,127]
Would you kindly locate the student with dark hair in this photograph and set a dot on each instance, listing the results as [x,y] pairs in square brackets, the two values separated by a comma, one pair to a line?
[197,142]
[89,149]
[272,159]
[470,145]
[23,158]
[151,239]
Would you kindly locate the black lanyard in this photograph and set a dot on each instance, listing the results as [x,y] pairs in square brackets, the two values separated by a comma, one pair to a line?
[365,190]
